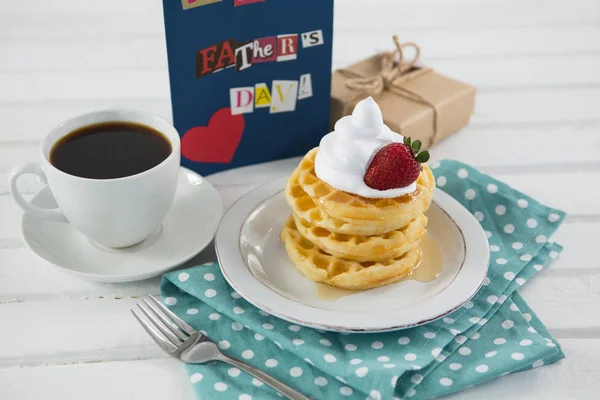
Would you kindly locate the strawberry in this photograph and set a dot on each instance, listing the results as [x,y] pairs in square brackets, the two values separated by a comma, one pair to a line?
[396,165]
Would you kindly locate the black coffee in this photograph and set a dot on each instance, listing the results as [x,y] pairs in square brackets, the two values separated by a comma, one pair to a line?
[110,150]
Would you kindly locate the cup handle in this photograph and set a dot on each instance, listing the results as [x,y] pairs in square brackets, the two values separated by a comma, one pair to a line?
[36,169]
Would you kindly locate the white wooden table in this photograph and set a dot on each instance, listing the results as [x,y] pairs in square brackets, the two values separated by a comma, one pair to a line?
[536,126]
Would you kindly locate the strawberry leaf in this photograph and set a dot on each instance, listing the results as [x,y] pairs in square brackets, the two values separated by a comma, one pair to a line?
[406,140]
[422,157]
[416,146]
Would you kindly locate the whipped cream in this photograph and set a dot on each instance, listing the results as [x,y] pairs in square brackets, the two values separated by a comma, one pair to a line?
[345,154]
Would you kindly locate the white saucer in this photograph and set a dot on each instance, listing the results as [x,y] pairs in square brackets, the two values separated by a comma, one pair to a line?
[256,265]
[186,230]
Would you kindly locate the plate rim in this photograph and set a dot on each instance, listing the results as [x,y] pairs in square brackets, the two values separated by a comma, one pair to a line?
[138,276]
[232,263]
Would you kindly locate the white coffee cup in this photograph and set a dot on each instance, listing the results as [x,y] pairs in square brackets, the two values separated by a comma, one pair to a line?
[112,213]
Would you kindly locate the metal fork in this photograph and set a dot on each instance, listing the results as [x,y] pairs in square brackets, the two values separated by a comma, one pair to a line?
[181,341]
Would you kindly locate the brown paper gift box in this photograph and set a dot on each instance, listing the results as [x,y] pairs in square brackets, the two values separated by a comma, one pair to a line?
[416,102]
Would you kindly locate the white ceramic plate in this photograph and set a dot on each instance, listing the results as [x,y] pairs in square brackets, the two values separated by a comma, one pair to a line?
[256,265]
[186,230]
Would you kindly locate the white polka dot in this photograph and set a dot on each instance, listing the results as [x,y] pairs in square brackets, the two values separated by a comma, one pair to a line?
[522,203]
[460,339]
[538,363]
[490,354]
[346,391]
[296,372]
[271,363]
[531,329]
[377,345]
[339,378]
[247,354]
[415,367]
[220,387]
[502,299]
[278,345]
[494,248]
[297,342]
[376,395]
[499,341]
[509,228]
[465,351]
[196,377]
[481,368]
[475,336]
[488,234]
[170,301]
[479,215]
[553,254]
[350,347]
[532,223]
[500,210]
[268,326]
[513,307]
[256,382]
[244,396]
[202,331]
[429,335]
[362,371]
[236,326]
[410,357]
[501,261]
[192,311]
[330,358]
[553,217]
[517,245]
[525,342]
[482,321]
[470,194]
[308,360]
[210,293]
[468,305]
[258,336]
[486,281]
[294,328]
[454,331]
[507,324]
[224,344]
[436,352]
[209,277]
[462,173]
[527,316]
[234,372]
[491,188]
[238,310]
[474,320]
[541,239]
[389,365]
[411,393]
[455,366]
[184,276]
[446,381]
[416,378]
[517,356]
[355,361]
[214,316]
[525,257]
[447,320]
[509,275]
[520,281]
[236,295]
[492,299]
[538,267]
[441,181]
[550,344]
[404,340]
[320,381]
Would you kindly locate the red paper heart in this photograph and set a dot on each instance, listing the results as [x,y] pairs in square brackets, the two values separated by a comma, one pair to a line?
[217,142]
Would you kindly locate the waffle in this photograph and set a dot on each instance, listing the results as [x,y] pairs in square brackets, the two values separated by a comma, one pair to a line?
[348,207]
[365,248]
[319,266]
[304,207]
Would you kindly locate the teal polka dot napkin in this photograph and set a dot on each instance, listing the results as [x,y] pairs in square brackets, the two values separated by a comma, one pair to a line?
[493,334]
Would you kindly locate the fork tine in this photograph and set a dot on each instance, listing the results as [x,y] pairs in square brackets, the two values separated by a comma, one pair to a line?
[166,321]
[162,327]
[158,337]
[174,318]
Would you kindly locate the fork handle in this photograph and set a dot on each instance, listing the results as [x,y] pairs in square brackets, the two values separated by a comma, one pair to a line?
[265,378]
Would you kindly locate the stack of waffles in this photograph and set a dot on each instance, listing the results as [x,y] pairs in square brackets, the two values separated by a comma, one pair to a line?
[349,241]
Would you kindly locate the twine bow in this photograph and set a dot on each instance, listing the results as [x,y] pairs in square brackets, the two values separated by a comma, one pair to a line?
[393,67]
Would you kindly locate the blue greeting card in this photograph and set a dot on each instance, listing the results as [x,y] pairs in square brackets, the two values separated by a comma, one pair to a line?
[250,79]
